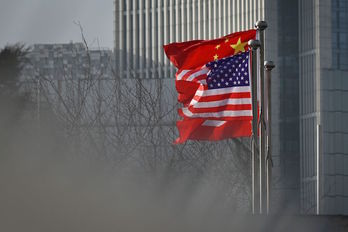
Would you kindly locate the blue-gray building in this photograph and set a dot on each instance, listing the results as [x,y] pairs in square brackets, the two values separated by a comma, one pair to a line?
[323,58]
[307,40]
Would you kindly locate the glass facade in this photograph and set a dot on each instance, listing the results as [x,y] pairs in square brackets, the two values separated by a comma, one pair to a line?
[285,90]
[334,114]
[308,116]
[340,34]
[323,90]
[307,39]
[142,27]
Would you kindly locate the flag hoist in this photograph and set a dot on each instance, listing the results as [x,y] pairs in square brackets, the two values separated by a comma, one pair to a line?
[255,45]
[269,65]
[261,26]
[217,83]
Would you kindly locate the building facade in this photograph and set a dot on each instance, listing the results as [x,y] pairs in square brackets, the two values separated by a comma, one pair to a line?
[56,73]
[143,27]
[282,40]
[323,58]
[68,60]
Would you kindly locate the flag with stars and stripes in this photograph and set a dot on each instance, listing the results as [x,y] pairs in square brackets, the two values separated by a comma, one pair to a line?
[216,96]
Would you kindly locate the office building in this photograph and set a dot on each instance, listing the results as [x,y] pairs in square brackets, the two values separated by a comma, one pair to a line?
[323,58]
[143,27]
[307,40]
[56,73]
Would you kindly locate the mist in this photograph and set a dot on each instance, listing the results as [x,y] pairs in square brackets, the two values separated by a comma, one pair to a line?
[91,155]
[46,188]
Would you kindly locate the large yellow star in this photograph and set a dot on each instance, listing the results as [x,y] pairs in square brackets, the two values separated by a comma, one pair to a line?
[239,46]
[216,57]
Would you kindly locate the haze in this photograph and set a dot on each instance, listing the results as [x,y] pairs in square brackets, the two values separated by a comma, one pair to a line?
[52,21]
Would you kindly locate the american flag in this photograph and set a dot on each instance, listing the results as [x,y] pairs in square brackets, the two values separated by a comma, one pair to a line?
[224,92]
[213,84]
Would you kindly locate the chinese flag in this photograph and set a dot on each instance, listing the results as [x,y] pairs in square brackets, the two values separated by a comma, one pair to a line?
[193,54]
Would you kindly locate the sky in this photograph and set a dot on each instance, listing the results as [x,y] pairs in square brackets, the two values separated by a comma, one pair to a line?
[53,21]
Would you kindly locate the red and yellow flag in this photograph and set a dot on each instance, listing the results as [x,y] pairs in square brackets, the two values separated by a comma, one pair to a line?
[193,54]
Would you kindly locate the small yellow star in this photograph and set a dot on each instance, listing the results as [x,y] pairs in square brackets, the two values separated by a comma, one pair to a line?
[226,40]
[217,47]
[239,46]
[216,57]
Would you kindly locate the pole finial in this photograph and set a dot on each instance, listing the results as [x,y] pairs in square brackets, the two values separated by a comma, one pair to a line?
[261,25]
[269,65]
[254,44]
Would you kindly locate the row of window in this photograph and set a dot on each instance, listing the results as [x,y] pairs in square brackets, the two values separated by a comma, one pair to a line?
[340,34]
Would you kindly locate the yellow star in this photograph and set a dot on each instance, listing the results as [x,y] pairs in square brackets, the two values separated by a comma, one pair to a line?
[216,57]
[226,40]
[239,46]
[217,47]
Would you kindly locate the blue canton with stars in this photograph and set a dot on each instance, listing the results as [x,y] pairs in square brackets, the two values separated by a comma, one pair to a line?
[228,72]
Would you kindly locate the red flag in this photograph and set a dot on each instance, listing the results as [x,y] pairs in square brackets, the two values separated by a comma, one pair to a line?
[196,53]
[214,86]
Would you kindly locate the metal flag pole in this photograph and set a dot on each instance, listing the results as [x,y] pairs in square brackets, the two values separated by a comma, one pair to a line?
[269,65]
[254,44]
[318,166]
[261,26]
[38,101]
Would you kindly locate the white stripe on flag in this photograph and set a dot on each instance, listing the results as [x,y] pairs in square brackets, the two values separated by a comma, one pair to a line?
[203,82]
[196,74]
[225,113]
[181,74]
[236,101]
[214,92]
[213,123]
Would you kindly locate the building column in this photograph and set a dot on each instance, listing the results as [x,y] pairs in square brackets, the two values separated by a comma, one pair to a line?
[129,41]
[210,19]
[135,37]
[183,21]
[154,29]
[148,55]
[141,39]
[206,19]
[167,32]
[178,21]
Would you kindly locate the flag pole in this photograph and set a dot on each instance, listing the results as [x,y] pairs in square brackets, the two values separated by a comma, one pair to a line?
[261,26]
[269,65]
[318,166]
[254,44]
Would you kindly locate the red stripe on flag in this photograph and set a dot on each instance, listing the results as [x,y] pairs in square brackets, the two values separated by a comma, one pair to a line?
[220,108]
[222,96]
[218,116]
[195,129]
